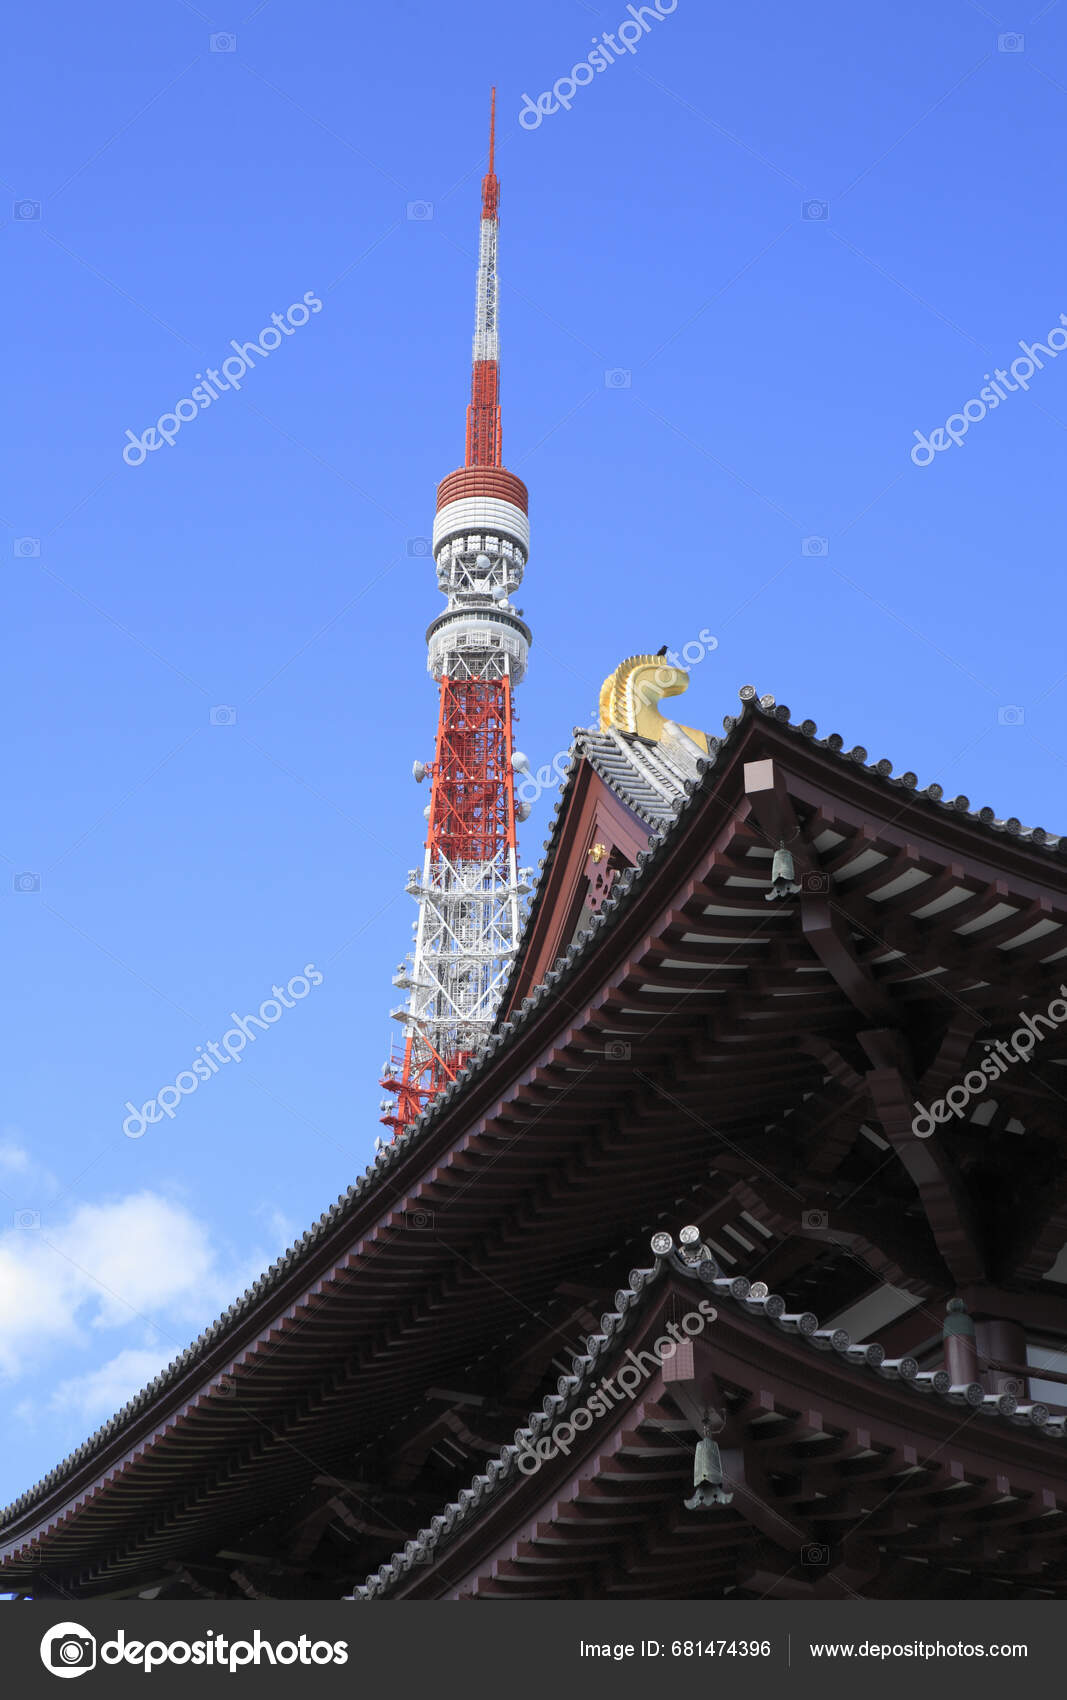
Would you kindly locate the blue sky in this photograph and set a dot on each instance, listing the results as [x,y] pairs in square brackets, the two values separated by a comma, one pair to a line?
[776,368]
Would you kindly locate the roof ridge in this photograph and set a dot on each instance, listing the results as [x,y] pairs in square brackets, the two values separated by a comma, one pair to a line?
[641,756]
[984,817]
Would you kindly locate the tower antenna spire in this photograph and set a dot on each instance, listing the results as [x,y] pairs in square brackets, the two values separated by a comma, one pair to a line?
[484,435]
[490,186]
[470,889]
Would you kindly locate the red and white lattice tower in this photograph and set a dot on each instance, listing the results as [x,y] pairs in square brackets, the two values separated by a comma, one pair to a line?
[469,889]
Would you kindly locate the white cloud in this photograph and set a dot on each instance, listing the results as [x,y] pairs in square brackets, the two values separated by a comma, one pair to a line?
[36,1309]
[138,1260]
[97,1395]
[280,1226]
[19,1165]
[133,1257]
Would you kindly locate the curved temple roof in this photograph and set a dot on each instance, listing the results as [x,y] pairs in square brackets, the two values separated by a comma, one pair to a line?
[661,784]
[866,1359]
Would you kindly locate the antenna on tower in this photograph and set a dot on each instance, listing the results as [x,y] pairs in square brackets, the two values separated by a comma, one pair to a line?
[490,186]
[484,438]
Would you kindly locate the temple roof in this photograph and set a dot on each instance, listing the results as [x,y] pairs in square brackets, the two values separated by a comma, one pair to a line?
[650,778]
[658,780]
[588,1370]
[661,784]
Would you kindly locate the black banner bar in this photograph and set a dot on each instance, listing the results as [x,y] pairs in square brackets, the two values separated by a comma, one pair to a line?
[501,1649]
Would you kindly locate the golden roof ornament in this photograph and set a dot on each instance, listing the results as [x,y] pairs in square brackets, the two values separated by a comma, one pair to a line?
[628,699]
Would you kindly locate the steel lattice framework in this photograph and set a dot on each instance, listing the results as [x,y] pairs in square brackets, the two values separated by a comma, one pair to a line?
[470,887]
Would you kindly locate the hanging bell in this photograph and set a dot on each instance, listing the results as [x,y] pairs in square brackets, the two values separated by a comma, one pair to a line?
[707,1478]
[783,875]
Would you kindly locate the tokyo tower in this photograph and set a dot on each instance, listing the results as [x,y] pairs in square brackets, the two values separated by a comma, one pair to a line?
[469,889]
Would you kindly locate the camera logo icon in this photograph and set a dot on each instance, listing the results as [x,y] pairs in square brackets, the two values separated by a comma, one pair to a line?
[420,1220]
[617,1050]
[224,42]
[815,1554]
[815,546]
[419,546]
[618,378]
[816,884]
[26,209]
[27,548]
[68,1650]
[420,211]
[1014,1387]
[223,715]
[1010,714]
[816,210]
[814,1221]
[1011,42]
[27,1220]
[26,882]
